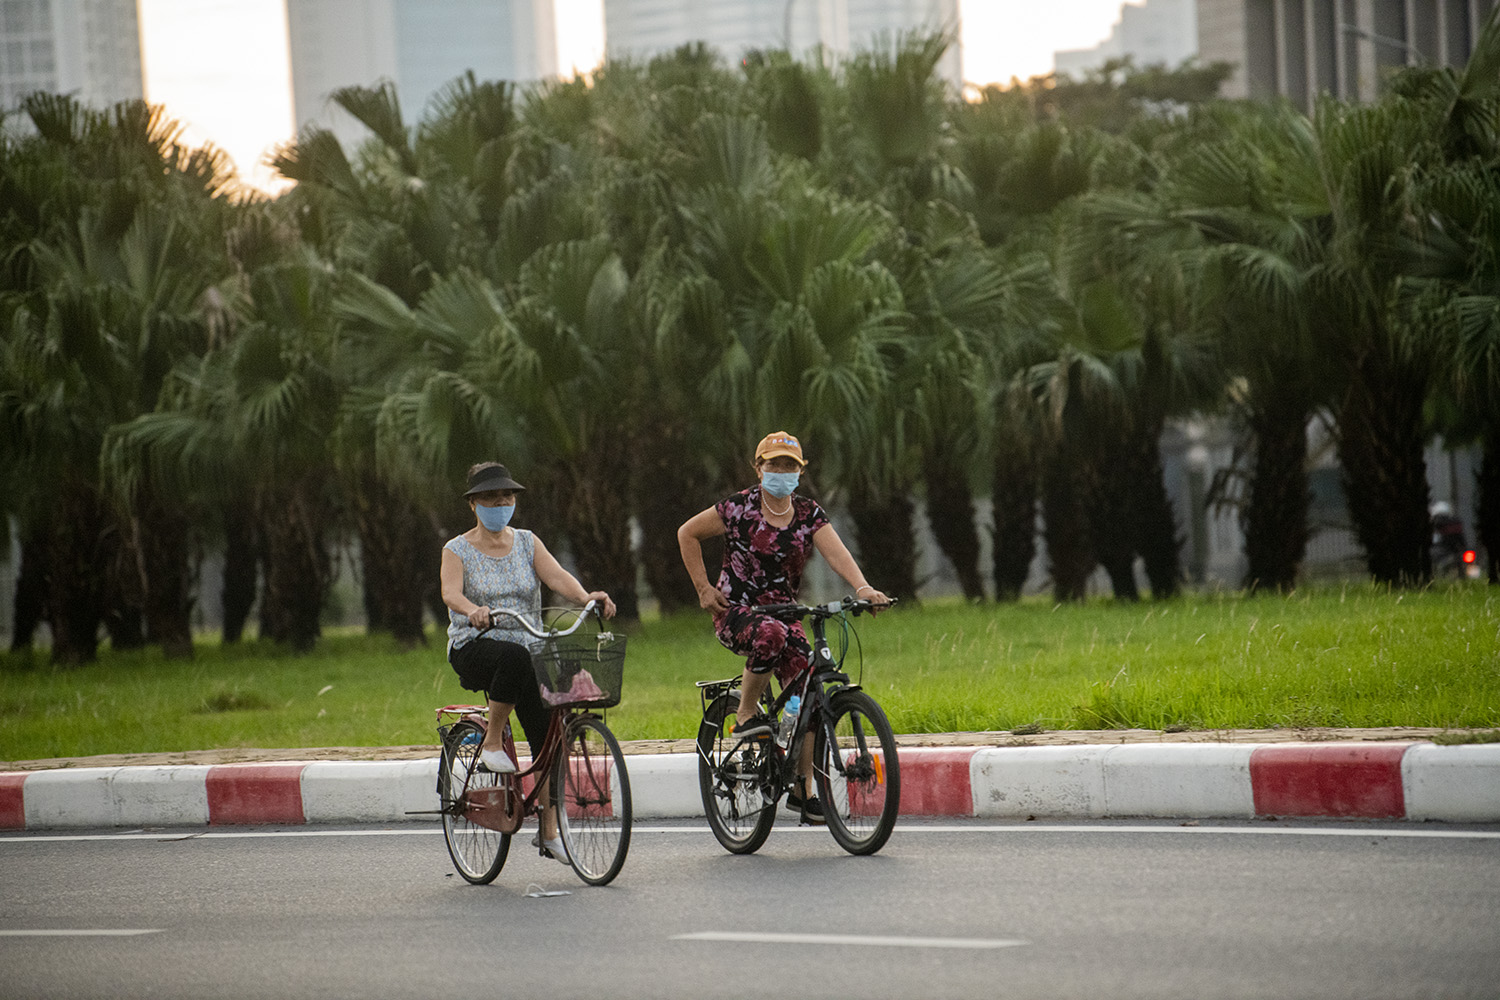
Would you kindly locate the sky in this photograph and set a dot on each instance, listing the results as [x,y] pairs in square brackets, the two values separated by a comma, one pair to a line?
[221,67]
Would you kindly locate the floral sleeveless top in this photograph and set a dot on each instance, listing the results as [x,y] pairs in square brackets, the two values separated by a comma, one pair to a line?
[507,582]
[763,563]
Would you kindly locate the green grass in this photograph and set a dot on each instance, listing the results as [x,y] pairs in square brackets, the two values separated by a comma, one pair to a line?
[1355,656]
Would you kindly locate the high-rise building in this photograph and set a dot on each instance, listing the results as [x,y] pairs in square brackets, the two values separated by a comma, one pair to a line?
[90,49]
[644,28]
[418,45]
[1155,31]
[1299,49]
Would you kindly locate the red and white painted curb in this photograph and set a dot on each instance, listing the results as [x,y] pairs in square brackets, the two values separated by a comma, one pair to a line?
[1414,781]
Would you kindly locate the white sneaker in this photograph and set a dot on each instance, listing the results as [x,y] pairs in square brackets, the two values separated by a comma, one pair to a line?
[554,847]
[497,761]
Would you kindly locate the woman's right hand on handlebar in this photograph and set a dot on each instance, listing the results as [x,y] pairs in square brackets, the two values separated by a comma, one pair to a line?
[480,617]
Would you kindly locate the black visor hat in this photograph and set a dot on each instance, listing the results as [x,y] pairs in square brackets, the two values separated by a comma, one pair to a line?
[493,477]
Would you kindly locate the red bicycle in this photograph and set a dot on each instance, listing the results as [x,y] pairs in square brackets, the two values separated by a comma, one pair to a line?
[580,765]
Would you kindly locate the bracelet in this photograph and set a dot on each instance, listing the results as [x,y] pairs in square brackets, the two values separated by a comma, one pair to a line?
[865,587]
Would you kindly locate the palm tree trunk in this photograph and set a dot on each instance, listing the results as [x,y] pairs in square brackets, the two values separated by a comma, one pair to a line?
[240,559]
[32,583]
[1156,537]
[885,539]
[1112,516]
[596,513]
[1013,491]
[396,559]
[298,567]
[79,542]
[1487,502]
[162,537]
[666,493]
[950,513]
[1065,484]
[1274,519]
[540,510]
[1384,470]
[125,590]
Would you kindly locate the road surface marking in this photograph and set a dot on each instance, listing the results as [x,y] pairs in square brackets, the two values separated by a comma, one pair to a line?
[66,932]
[872,940]
[902,830]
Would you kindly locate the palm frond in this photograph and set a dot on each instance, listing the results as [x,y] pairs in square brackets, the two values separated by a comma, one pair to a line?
[378,108]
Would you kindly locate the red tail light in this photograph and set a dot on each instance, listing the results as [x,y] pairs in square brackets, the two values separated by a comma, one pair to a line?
[1469,557]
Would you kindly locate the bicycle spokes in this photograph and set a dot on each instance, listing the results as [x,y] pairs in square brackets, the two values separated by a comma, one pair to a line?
[590,780]
[858,773]
[593,792]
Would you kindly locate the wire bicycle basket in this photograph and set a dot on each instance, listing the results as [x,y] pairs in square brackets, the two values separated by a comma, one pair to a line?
[581,671]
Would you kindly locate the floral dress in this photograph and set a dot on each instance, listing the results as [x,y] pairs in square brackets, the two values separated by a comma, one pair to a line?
[763,565]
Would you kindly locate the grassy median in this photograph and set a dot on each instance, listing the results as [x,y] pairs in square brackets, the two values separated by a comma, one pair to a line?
[1354,656]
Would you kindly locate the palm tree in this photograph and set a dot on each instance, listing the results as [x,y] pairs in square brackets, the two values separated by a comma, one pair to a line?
[1366,158]
[417,204]
[119,274]
[253,416]
[1022,173]
[1461,276]
[418,409]
[1244,188]
[892,150]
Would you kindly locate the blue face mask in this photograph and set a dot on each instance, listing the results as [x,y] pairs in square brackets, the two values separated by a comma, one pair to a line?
[779,484]
[494,518]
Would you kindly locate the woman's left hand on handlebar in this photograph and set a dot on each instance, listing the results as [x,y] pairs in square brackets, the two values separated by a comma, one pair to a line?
[874,597]
[607,606]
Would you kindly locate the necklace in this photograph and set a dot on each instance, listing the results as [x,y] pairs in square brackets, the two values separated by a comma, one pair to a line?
[772,510]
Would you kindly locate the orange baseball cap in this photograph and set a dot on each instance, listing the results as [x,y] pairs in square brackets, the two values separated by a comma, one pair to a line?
[779,443]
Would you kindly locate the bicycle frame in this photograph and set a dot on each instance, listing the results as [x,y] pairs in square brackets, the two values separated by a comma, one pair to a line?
[818,685]
[504,807]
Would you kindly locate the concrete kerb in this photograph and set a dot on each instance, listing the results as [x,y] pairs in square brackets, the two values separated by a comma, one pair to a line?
[1457,784]
[1416,781]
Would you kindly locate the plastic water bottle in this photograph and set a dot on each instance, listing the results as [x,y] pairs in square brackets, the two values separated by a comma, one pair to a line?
[789,718]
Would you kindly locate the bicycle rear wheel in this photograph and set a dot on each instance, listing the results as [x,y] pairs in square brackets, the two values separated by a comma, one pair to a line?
[736,784]
[477,851]
[591,790]
[859,778]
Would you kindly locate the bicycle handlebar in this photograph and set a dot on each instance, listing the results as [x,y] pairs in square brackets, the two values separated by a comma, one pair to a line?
[832,609]
[541,633]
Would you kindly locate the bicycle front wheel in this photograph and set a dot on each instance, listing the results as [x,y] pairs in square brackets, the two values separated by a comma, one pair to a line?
[477,851]
[858,777]
[734,779]
[591,790]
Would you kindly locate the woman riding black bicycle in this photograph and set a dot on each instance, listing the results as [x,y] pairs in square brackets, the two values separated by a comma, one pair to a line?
[495,565]
[769,533]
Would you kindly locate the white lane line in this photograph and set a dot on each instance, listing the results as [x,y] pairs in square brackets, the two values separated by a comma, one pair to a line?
[70,932]
[1306,831]
[1290,831]
[901,831]
[872,940]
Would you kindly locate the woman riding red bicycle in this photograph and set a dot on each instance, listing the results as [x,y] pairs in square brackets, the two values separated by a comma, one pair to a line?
[496,565]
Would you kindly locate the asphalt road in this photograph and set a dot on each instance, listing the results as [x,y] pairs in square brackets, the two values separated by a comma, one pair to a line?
[965,909]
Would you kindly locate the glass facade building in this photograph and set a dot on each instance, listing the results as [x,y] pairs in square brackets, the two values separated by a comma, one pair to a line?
[418,45]
[90,49]
[644,28]
[1299,49]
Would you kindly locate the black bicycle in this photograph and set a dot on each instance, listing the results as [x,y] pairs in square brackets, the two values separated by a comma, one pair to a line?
[858,777]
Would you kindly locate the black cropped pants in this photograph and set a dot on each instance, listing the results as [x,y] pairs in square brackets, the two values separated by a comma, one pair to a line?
[503,671]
